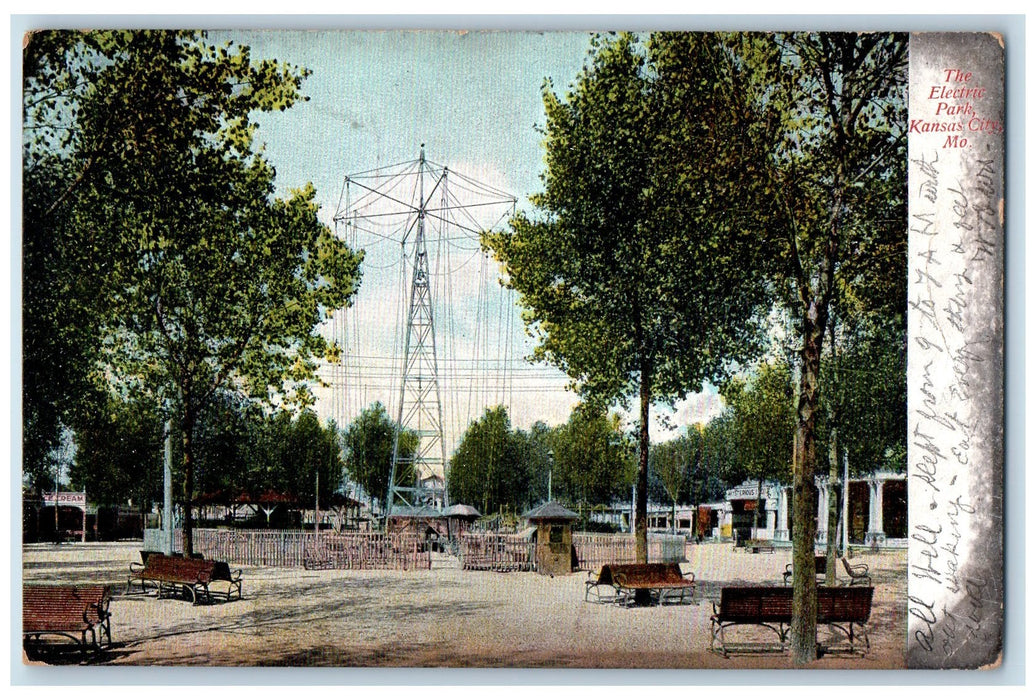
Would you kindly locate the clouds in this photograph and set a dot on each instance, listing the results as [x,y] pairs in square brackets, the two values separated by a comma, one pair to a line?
[473,99]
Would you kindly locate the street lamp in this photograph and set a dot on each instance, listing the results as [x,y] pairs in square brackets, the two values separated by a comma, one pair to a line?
[550,475]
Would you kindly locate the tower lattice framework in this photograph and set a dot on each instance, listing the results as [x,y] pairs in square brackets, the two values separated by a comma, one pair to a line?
[414,199]
[420,403]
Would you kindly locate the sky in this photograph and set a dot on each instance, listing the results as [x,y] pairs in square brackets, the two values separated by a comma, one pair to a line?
[473,99]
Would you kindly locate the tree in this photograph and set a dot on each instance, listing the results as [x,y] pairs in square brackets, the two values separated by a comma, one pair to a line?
[368,451]
[119,452]
[671,462]
[295,452]
[215,284]
[227,445]
[60,293]
[840,101]
[593,458]
[642,156]
[486,468]
[763,414]
[537,457]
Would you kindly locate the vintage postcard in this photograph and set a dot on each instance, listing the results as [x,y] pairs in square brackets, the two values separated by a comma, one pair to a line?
[520,349]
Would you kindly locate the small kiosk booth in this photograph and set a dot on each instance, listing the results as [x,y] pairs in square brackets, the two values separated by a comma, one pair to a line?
[554,553]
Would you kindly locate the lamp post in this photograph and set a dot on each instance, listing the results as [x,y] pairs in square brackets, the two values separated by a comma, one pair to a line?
[550,475]
[167,484]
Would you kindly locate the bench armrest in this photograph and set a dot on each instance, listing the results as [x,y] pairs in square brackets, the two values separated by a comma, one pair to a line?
[689,576]
[858,569]
[136,567]
[235,575]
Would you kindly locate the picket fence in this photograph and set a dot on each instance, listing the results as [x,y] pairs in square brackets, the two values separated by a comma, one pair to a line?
[376,550]
[502,552]
[289,548]
[490,551]
[593,550]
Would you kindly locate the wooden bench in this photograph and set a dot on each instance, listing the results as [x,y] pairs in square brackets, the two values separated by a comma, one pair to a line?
[191,576]
[857,573]
[663,581]
[77,612]
[819,561]
[846,609]
[601,585]
[145,553]
[756,546]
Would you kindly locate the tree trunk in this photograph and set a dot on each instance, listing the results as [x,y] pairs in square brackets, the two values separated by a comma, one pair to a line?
[758,507]
[832,509]
[804,583]
[188,481]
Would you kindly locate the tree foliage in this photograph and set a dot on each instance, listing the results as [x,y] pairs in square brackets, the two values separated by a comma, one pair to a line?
[368,451]
[211,283]
[593,459]
[119,452]
[762,408]
[636,269]
[836,171]
[239,449]
[488,469]
[294,452]
[870,393]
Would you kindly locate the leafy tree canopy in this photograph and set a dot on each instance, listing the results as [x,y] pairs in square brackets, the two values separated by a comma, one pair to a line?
[640,269]
[144,145]
[368,451]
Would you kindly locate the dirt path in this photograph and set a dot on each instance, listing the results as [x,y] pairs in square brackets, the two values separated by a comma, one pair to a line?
[443,617]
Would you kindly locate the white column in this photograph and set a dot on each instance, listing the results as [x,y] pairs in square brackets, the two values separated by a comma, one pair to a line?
[823,494]
[876,523]
[879,509]
[781,532]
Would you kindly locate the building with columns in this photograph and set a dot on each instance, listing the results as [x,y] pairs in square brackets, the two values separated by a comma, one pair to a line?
[877,512]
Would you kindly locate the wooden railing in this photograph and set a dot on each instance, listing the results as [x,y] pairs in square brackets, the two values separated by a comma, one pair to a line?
[487,551]
[376,550]
[594,550]
[368,550]
[288,548]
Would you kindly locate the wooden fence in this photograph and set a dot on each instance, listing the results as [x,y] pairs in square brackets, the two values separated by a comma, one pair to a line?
[594,550]
[500,552]
[489,551]
[376,550]
[368,550]
[363,550]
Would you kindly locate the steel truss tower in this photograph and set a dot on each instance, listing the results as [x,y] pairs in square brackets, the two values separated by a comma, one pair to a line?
[420,404]
[420,408]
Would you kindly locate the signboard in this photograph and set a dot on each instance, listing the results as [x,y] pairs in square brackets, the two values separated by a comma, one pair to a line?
[66,498]
[748,491]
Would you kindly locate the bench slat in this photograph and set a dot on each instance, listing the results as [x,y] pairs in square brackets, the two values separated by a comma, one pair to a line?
[770,606]
[192,574]
[71,611]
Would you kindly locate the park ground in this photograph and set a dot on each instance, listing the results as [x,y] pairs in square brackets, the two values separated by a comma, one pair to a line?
[447,617]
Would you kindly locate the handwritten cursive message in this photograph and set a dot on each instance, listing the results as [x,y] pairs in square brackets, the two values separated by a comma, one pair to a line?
[955,355]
